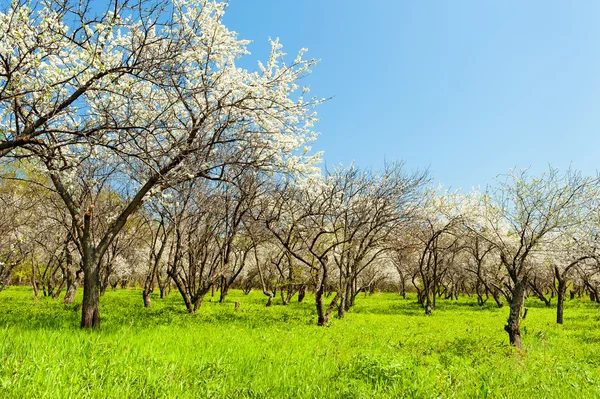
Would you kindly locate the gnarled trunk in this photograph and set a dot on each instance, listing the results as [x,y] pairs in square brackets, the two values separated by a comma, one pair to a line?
[512,326]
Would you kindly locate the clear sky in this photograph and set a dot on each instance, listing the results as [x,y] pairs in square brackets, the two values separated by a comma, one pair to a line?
[466,88]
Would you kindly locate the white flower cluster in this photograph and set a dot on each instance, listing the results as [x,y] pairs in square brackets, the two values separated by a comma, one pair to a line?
[161,99]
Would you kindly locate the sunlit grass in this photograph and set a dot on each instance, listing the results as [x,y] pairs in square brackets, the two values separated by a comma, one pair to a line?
[385,347]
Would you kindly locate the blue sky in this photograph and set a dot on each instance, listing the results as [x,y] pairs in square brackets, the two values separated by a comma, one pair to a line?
[468,89]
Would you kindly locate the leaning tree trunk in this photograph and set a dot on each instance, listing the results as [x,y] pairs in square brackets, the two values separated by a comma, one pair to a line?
[512,326]
[90,311]
[183,290]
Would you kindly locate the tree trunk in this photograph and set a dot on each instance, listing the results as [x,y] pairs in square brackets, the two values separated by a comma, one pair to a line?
[72,282]
[163,290]
[34,283]
[198,301]
[183,290]
[224,289]
[497,299]
[90,311]
[342,308]
[301,293]
[321,321]
[71,291]
[516,304]
[428,304]
[146,296]
[561,291]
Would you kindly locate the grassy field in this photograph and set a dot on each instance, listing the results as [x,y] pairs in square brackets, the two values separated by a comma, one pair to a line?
[384,348]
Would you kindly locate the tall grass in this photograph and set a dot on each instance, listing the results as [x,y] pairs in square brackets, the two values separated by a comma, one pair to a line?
[383,348]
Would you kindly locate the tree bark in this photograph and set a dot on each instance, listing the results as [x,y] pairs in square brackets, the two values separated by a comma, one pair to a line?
[224,289]
[90,311]
[561,292]
[301,293]
[512,326]
[342,307]
[146,296]
[72,282]
[270,300]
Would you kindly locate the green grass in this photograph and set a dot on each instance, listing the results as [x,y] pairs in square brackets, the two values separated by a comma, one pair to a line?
[384,348]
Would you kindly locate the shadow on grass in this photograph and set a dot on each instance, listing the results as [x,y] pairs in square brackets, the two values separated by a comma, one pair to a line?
[410,307]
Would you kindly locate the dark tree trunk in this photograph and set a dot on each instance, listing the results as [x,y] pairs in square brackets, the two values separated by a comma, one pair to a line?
[90,311]
[224,289]
[402,290]
[480,300]
[561,290]
[270,300]
[427,299]
[539,293]
[560,305]
[322,314]
[512,326]
[301,293]
[497,299]
[321,321]
[183,290]
[146,297]
[189,306]
[198,300]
